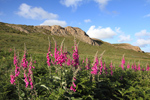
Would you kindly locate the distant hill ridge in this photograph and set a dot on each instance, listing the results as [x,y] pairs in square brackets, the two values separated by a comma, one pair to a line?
[128,46]
[68,31]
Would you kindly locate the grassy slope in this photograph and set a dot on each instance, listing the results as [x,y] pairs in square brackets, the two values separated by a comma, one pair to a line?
[37,43]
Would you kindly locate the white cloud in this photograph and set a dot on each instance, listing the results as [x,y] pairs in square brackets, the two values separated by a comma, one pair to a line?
[35,12]
[39,13]
[72,3]
[101,33]
[142,33]
[102,3]
[142,42]
[123,38]
[54,22]
[87,20]
[118,30]
[148,15]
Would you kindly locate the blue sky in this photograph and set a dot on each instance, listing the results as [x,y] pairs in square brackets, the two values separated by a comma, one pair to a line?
[113,21]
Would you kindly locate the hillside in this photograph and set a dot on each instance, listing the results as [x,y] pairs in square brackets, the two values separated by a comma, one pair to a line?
[128,46]
[36,40]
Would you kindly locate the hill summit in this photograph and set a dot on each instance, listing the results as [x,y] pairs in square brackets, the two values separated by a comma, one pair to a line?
[66,32]
[69,31]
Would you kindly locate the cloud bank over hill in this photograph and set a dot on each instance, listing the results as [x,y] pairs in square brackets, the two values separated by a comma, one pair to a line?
[38,13]
[101,33]
[143,38]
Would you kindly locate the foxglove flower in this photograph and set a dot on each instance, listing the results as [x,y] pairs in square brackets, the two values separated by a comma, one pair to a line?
[48,57]
[123,63]
[111,66]
[74,78]
[94,68]
[87,64]
[12,80]
[128,66]
[123,60]
[101,67]
[135,68]
[31,84]
[24,62]
[73,89]
[105,68]
[143,69]
[139,68]
[147,68]
[30,74]
[68,62]
[17,68]
[74,84]
[75,61]
[56,53]
[26,79]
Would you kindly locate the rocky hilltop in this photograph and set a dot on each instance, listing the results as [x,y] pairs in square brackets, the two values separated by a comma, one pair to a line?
[128,46]
[68,31]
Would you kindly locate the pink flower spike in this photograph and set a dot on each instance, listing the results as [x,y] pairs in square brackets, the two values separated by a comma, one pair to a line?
[33,67]
[87,64]
[24,62]
[74,84]
[128,66]
[147,68]
[139,68]
[94,68]
[132,66]
[31,84]
[74,78]
[143,69]
[71,88]
[68,62]
[122,66]
[105,68]
[35,61]
[25,79]
[17,69]
[48,59]
[75,55]
[12,79]
[74,90]
[123,60]
[83,61]
[111,73]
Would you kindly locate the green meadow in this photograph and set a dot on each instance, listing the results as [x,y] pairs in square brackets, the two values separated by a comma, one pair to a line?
[54,81]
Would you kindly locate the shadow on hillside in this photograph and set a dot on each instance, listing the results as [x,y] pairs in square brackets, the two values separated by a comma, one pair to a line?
[98,41]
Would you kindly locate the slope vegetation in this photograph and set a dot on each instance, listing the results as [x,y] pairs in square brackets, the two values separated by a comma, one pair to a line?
[36,40]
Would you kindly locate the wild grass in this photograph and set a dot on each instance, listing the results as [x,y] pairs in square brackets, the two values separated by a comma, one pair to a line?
[122,84]
[37,43]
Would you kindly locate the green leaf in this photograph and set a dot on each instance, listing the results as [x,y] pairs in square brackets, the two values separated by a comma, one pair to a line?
[22,94]
[56,77]
[45,87]
[72,98]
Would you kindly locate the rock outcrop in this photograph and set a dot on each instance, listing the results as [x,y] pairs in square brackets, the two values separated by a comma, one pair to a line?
[69,31]
[17,28]
[128,46]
